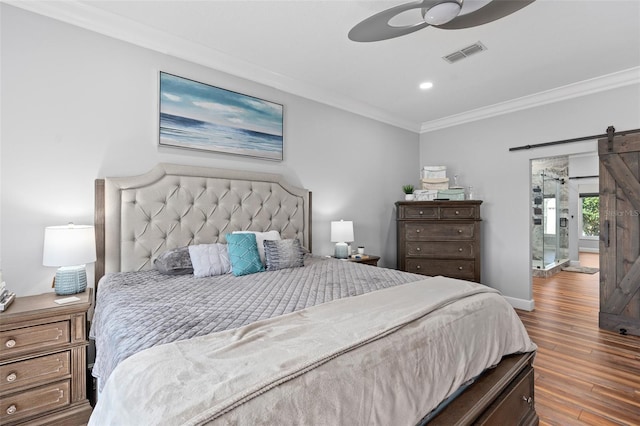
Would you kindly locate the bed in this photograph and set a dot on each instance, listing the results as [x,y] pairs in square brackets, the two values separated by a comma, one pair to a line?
[325,342]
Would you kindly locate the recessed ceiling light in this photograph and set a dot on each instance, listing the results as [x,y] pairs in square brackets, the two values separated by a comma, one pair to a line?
[426,85]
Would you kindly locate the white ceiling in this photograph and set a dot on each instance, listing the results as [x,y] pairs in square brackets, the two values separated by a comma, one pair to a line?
[535,56]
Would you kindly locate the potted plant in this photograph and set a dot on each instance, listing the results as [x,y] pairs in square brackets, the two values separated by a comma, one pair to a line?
[408,192]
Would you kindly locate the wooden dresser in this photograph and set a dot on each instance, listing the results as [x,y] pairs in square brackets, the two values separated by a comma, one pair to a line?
[43,361]
[439,238]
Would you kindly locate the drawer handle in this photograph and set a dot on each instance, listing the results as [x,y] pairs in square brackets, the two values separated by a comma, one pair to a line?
[459,231]
[12,377]
[12,409]
[417,248]
[10,343]
[417,231]
[421,213]
[457,212]
[418,267]
[527,399]
[460,249]
[459,268]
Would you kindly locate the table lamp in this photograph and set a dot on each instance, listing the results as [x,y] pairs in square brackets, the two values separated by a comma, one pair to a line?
[69,247]
[341,234]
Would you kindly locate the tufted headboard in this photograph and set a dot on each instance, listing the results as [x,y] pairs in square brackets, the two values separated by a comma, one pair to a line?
[139,217]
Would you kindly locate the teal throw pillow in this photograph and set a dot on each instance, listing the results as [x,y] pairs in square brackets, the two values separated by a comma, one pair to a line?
[243,254]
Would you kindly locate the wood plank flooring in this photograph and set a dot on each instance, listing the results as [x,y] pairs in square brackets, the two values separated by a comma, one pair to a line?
[583,375]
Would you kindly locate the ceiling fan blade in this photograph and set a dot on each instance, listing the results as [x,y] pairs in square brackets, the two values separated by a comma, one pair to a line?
[491,12]
[376,27]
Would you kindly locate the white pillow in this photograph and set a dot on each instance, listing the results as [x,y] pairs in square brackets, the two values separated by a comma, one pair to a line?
[209,260]
[260,237]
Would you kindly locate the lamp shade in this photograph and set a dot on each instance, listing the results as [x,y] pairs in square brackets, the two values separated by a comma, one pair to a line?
[342,231]
[69,245]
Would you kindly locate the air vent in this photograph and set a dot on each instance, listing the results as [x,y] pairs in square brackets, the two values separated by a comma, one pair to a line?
[464,52]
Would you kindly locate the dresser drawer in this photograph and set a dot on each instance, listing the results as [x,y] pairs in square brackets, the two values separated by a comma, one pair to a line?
[446,249]
[418,212]
[34,401]
[515,408]
[34,338]
[40,370]
[439,231]
[462,269]
[462,212]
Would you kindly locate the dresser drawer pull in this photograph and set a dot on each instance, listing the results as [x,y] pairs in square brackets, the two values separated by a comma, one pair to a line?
[527,399]
[417,231]
[418,267]
[459,231]
[421,213]
[12,377]
[459,268]
[417,248]
[457,212]
[10,343]
[12,409]
[460,249]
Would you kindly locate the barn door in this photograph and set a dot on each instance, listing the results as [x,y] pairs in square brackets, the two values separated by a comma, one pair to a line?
[620,233]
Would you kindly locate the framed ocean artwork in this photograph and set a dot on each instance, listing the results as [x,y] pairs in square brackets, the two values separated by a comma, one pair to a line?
[199,116]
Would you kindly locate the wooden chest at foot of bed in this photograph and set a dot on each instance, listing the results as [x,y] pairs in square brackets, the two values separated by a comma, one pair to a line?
[500,396]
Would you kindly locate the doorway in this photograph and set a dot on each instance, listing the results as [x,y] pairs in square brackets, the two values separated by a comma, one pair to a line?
[549,215]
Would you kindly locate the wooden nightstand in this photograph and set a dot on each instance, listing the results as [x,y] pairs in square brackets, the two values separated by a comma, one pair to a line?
[368,260]
[43,361]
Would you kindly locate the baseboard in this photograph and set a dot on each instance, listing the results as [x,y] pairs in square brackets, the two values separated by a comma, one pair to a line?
[588,250]
[522,304]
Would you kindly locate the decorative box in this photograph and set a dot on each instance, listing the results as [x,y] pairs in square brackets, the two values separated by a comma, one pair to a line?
[425,194]
[435,183]
[451,194]
[434,172]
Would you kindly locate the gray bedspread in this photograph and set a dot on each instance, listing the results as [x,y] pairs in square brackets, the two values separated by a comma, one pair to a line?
[138,310]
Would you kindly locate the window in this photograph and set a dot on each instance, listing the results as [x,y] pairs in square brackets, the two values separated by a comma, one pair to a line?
[589,218]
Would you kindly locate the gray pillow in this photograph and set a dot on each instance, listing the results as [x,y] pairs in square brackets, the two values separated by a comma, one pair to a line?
[174,262]
[281,254]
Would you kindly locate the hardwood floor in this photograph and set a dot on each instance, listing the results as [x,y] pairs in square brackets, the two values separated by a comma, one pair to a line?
[583,375]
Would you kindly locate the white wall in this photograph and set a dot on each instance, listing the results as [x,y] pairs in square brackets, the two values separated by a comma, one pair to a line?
[77,106]
[479,153]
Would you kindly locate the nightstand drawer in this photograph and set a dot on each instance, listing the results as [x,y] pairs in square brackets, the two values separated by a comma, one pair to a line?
[37,337]
[439,231]
[445,249]
[34,401]
[462,269]
[40,370]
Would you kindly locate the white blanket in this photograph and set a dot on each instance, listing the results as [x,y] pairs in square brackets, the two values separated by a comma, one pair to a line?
[386,357]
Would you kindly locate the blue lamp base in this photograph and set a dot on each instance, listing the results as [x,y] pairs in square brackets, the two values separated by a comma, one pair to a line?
[341,251]
[71,280]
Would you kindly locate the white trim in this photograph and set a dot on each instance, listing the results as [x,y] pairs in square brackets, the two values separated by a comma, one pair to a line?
[523,304]
[86,16]
[570,91]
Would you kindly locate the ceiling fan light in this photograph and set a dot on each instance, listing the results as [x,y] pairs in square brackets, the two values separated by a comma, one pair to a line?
[442,13]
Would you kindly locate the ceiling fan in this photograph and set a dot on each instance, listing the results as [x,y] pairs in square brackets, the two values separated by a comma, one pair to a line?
[444,14]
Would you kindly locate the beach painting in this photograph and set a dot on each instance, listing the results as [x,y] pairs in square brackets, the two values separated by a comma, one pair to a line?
[199,116]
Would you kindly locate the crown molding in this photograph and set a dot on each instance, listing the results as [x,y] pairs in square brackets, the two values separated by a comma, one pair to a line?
[570,91]
[115,26]
[88,17]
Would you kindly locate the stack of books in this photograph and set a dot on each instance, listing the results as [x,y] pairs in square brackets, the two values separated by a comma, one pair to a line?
[6,297]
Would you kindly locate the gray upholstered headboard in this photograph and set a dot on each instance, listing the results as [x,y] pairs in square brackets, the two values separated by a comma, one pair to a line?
[139,217]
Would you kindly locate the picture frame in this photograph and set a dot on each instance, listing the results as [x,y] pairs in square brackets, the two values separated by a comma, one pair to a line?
[199,116]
